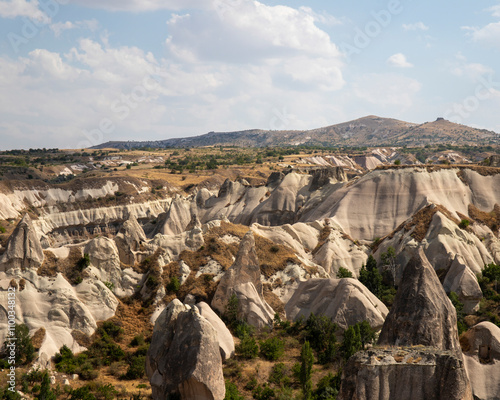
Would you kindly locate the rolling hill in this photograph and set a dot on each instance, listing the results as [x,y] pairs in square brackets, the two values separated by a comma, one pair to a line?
[366,131]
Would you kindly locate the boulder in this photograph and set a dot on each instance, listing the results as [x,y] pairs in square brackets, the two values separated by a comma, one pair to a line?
[461,280]
[409,374]
[226,342]
[23,248]
[422,313]
[184,357]
[129,240]
[345,301]
[481,347]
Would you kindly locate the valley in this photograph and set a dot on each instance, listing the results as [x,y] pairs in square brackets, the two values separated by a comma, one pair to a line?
[121,257]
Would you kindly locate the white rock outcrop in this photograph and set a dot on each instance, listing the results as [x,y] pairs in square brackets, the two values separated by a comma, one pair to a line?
[345,301]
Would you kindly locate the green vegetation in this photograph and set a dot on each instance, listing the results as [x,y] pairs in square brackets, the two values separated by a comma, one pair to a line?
[306,363]
[374,281]
[174,285]
[25,352]
[272,349]
[344,273]
[461,325]
[248,348]
[464,223]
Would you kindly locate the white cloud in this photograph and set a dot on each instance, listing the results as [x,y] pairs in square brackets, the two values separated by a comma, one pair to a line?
[417,26]
[283,40]
[488,34]
[495,10]
[222,71]
[60,27]
[145,5]
[23,8]
[399,60]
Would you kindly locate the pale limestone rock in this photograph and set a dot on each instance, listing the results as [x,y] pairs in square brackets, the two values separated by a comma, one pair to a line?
[23,248]
[226,342]
[252,308]
[243,280]
[481,345]
[128,241]
[345,301]
[463,282]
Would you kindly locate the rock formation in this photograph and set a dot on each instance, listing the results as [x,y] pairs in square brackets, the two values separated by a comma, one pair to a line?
[422,313]
[481,346]
[226,342]
[345,301]
[408,373]
[129,240]
[461,280]
[243,280]
[23,249]
[424,360]
[105,266]
[184,356]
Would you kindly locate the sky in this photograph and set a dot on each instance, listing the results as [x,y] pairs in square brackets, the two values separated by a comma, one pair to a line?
[77,73]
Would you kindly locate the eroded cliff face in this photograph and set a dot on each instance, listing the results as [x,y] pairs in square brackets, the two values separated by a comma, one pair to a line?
[418,354]
[325,222]
[406,373]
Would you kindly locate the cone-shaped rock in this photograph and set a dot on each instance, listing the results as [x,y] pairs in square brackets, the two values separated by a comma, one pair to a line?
[243,280]
[421,314]
[184,358]
[23,249]
[129,239]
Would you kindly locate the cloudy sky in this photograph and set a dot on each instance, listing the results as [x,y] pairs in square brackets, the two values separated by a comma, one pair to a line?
[75,73]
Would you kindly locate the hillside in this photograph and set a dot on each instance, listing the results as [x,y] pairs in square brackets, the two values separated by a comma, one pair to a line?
[367,131]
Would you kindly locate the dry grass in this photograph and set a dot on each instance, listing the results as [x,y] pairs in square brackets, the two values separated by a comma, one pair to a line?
[490,219]
[38,338]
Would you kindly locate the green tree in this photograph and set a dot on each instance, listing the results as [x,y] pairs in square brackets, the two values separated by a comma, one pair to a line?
[320,333]
[231,311]
[344,273]
[371,277]
[388,259]
[307,361]
[366,333]
[45,392]
[351,342]
[25,352]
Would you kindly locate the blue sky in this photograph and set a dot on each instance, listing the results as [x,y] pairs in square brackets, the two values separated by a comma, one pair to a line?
[75,73]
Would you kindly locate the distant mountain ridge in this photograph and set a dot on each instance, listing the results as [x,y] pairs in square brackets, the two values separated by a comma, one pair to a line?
[366,131]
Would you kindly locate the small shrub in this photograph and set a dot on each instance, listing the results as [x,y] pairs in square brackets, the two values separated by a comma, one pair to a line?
[138,341]
[272,349]
[248,348]
[344,273]
[464,223]
[174,285]
[232,392]
[279,375]
[136,368]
